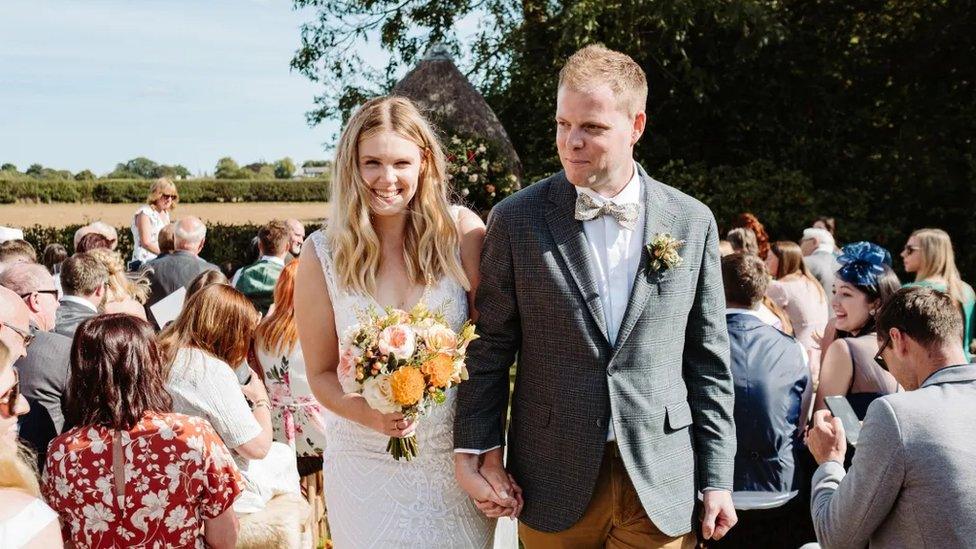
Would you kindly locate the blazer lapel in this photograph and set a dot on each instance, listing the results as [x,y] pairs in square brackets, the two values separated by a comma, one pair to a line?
[570,239]
[658,218]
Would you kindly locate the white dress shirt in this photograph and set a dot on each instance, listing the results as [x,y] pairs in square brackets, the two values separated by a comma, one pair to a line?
[615,254]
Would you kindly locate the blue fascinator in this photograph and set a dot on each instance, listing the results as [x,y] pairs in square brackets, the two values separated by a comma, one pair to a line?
[862,263]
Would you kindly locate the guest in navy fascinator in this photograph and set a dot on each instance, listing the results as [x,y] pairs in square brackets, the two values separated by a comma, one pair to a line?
[864,264]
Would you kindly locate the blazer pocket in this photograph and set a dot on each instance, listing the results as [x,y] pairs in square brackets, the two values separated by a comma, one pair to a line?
[533,413]
[678,415]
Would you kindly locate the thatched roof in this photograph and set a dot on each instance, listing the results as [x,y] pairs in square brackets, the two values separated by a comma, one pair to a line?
[446,96]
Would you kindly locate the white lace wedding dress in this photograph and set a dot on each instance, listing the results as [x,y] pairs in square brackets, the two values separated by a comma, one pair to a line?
[373,500]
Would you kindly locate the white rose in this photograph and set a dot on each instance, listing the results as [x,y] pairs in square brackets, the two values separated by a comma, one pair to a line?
[377,392]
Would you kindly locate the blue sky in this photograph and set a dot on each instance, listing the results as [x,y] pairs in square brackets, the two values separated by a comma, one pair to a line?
[90,83]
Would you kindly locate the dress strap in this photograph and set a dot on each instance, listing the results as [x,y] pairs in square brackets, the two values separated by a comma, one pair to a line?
[324,251]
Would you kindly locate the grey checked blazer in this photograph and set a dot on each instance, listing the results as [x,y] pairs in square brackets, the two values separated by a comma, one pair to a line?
[913,479]
[666,380]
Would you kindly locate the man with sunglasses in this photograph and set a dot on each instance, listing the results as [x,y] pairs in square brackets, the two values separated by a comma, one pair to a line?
[912,482]
[44,370]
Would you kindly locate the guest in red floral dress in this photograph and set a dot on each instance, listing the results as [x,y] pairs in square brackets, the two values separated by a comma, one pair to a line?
[132,474]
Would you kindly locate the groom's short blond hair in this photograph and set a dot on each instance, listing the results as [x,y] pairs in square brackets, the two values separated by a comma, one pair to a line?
[596,64]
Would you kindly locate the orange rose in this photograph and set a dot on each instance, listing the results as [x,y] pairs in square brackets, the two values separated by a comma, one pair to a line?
[439,369]
[407,385]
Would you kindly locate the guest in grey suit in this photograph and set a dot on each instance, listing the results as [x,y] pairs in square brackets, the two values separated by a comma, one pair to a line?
[83,279]
[177,269]
[623,396]
[817,246]
[912,482]
[44,371]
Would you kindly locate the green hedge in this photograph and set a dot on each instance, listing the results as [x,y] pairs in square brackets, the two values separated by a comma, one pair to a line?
[192,190]
[226,244]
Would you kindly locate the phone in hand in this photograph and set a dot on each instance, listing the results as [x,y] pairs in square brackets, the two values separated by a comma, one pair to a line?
[841,408]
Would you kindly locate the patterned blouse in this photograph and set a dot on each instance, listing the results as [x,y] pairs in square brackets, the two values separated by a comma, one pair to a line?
[178,474]
[295,414]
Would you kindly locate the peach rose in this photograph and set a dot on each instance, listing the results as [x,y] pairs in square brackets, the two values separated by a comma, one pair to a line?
[346,370]
[441,339]
[398,340]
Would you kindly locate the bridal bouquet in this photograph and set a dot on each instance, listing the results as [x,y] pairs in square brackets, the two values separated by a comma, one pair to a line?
[403,362]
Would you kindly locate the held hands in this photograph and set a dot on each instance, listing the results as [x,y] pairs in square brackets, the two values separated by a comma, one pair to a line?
[718,514]
[484,478]
[826,439]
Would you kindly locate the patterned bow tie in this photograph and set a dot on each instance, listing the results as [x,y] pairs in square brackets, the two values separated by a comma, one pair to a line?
[587,208]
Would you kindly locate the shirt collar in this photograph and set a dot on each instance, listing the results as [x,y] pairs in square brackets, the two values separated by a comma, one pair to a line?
[80,301]
[630,194]
[949,372]
[273,259]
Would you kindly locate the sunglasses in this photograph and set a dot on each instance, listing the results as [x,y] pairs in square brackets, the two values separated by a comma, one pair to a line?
[26,336]
[171,196]
[8,402]
[880,359]
[51,292]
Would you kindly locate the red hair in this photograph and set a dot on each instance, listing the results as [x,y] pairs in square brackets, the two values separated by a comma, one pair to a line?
[277,332]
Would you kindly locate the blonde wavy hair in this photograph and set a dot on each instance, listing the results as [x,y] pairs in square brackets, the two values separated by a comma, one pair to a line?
[938,260]
[431,240]
[161,186]
[120,286]
[16,462]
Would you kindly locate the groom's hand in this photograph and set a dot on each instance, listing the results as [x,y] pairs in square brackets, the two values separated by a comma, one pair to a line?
[466,470]
[718,514]
[493,470]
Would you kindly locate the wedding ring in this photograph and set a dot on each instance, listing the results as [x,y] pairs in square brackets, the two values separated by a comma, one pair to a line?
[404,422]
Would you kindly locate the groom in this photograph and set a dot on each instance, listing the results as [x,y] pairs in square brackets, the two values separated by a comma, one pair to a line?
[622,411]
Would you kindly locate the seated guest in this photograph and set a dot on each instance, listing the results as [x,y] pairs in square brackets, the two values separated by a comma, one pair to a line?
[743,240]
[864,283]
[167,239]
[911,483]
[928,253]
[132,473]
[100,228]
[257,281]
[295,414]
[817,246]
[53,256]
[177,269]
[17,251]
[297,238]
[771,380]
[91,241]
[123,293]
[205,279]
[799,294]
[202,348]
[749,221]
[44,371]
[83,279]
[25,520]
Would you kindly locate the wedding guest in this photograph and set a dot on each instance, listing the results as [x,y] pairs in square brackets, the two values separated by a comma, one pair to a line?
[98,227]
[865,283]
[817,246]
[210,276]
[52,257]
[92,241]
[167,239]
[83,279]
[174,270]
[743,240]
[201,349]
[911,483]
[132,473]
[929,254]
[749,221]
[826,223]
[798,293]
[44,370]
[123,294]
[150,219]
[25,520]
[295,414]
[772,386]
[257,281]
[297,238]
[17,251]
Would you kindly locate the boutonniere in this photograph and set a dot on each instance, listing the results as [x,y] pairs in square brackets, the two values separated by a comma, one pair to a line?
[663,251]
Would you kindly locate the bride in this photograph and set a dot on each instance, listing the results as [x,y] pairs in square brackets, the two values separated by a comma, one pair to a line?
[392,240]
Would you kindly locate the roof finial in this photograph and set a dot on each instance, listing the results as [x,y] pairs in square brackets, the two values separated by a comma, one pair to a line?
[438,51]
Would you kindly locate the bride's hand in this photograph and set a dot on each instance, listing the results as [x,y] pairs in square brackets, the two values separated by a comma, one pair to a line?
[477,487]
[393,424]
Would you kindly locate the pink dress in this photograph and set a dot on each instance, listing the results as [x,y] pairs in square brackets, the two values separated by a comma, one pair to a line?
[808,310]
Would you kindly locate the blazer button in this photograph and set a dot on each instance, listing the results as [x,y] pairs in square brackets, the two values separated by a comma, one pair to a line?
[600,423]
[754,455]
